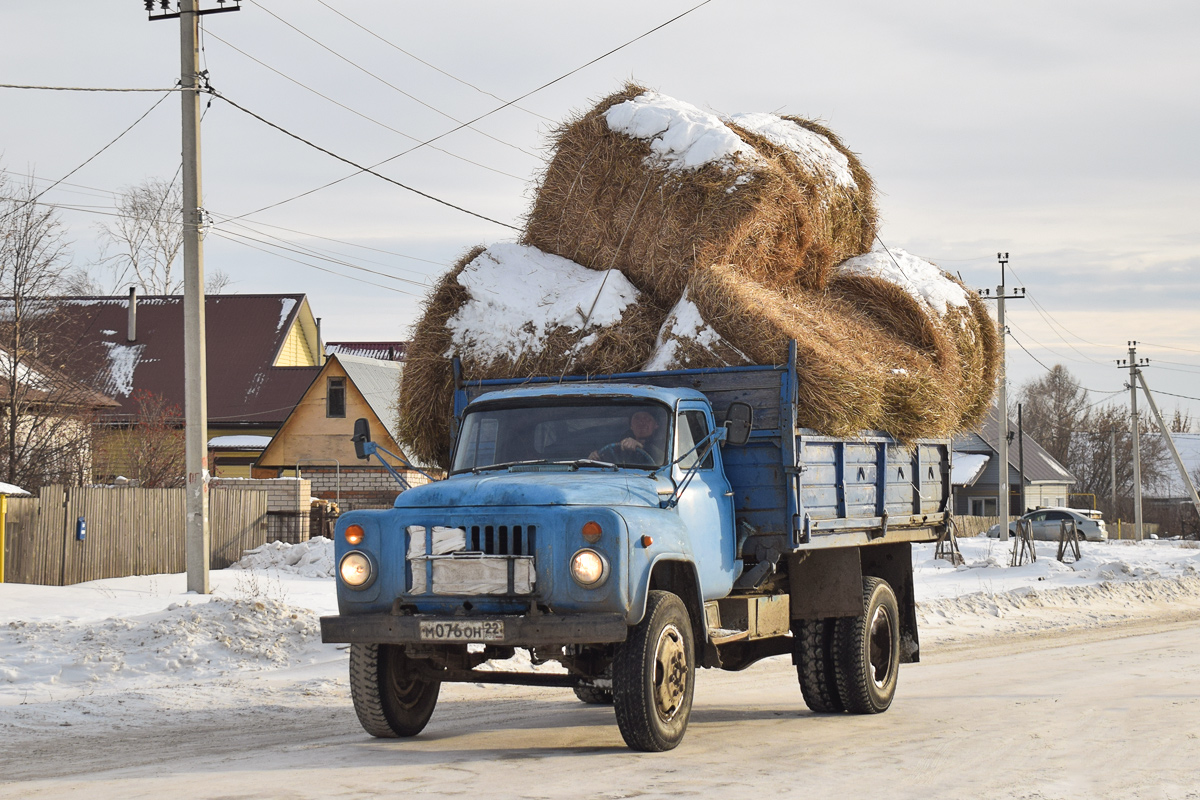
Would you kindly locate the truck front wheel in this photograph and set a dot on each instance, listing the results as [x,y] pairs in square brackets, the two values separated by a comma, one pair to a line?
[389,699]
[867,651]
[654,675]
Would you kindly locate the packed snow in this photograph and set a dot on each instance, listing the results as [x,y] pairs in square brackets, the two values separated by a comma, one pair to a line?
[812,149]
[684,322]
[519,295]
[924,281]
[682,137]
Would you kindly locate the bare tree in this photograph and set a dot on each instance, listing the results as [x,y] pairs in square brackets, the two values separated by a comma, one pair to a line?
[151,449]
[143,244]
[46,432]
[1054,408]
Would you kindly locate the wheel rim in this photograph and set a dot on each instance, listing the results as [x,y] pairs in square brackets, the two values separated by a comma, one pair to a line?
[670,672]
[406,691]
[881,647]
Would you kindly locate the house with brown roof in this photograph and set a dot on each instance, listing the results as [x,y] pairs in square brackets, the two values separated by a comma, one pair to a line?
[262,350]
[975,474]
[315,440]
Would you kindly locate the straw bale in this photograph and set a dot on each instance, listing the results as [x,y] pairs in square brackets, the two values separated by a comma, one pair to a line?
[608,200]
[426,391]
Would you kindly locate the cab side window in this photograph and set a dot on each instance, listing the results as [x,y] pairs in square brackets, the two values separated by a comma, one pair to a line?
[692,427]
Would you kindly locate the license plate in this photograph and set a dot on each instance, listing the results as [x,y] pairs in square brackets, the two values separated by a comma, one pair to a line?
[491,630]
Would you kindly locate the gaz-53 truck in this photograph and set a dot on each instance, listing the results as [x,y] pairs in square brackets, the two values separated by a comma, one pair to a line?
[723,536]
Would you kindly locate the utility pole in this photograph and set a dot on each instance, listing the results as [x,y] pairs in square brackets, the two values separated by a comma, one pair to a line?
[1132,364]
[197,538]
[1021,456]
[1112,459]
[1002,505]
[1162,426]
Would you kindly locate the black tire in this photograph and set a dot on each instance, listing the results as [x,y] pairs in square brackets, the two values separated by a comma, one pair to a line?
[596,695]
[388,701]
[593,695]
[866,650]
[815,665]
[654,673]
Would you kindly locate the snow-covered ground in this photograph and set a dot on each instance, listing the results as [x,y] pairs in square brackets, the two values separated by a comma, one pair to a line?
[147,634]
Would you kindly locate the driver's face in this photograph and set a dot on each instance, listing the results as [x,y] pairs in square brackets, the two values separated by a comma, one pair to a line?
[643,424]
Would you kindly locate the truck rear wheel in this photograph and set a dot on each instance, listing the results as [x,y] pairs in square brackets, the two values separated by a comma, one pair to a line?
[654,673]
[389,701]
[815,665]
[867,651]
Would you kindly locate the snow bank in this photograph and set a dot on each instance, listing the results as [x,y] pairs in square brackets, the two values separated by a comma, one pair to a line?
[312,559]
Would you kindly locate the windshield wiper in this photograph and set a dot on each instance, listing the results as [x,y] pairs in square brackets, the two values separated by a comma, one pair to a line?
[579,462]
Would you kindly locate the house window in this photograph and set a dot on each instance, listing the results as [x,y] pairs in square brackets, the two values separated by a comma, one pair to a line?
[983,506]
[335,398]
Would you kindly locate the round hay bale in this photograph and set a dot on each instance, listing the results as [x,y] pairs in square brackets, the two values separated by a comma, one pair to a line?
[657,189]
[840,190]
[513,311]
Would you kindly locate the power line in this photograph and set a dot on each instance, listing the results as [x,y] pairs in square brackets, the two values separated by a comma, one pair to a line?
[359,167]
[498,108]
[1171,347]
[434,67]
[90,159]
[391,85]
[368,118]
[221,235]
[84,88]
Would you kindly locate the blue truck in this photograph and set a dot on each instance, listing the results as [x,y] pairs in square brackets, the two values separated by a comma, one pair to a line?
[632,528]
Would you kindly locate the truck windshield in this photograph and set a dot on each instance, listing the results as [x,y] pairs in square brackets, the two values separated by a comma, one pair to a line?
[626,433]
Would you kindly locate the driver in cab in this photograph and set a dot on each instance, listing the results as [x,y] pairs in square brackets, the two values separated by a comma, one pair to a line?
[638,445]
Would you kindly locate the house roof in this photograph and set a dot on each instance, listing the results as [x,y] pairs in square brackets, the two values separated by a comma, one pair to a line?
[382,351]
[245,334]
[967,467]
[379,383]
[1040,466]
[51,388]
[1171,485]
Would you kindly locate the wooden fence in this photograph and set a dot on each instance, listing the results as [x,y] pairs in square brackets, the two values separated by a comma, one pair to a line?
[129,531]
[973,526]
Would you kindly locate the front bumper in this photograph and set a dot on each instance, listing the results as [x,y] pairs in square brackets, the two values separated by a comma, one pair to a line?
[523,631]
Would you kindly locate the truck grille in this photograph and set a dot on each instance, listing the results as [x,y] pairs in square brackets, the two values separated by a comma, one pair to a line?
[502,540]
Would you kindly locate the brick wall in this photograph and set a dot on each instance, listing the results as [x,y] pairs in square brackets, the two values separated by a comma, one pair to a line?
[288,503]
[361,487]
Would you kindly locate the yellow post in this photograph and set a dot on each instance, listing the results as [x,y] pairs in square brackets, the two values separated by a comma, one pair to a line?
[3,525]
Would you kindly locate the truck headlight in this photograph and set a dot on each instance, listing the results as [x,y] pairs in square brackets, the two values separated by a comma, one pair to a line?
[589,568]
[356,570]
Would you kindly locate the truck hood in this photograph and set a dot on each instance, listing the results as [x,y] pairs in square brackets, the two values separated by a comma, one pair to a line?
[583,488]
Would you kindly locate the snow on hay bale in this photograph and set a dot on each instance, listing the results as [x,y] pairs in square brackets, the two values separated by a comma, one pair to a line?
[655,187]
[512,310]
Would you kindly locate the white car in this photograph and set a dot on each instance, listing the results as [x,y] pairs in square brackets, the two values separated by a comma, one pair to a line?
[1047,522]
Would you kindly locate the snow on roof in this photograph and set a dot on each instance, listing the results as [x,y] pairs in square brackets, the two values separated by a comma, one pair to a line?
[123,360]
[682,137]
[519,295]
[812,149]
[286,306]
[1054,465]
[8,488]
[967,467]
[924,281]
[240,442]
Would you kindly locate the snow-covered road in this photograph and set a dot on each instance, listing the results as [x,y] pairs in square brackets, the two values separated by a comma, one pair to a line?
[1062,681]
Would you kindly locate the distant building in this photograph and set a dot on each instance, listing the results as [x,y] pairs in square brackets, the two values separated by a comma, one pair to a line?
[975,477]
[314,441]
[262,353]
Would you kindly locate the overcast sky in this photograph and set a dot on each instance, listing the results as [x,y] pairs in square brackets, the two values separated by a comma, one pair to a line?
[1061,132]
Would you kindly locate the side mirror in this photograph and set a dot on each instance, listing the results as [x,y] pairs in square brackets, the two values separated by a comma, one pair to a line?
[739,421]
[362,435]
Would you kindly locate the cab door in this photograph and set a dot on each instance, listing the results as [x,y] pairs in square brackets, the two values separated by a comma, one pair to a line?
[706,506]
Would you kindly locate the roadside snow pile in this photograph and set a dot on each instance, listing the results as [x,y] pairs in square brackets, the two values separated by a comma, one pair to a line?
[1112,581]
[311,559]
[182,642]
